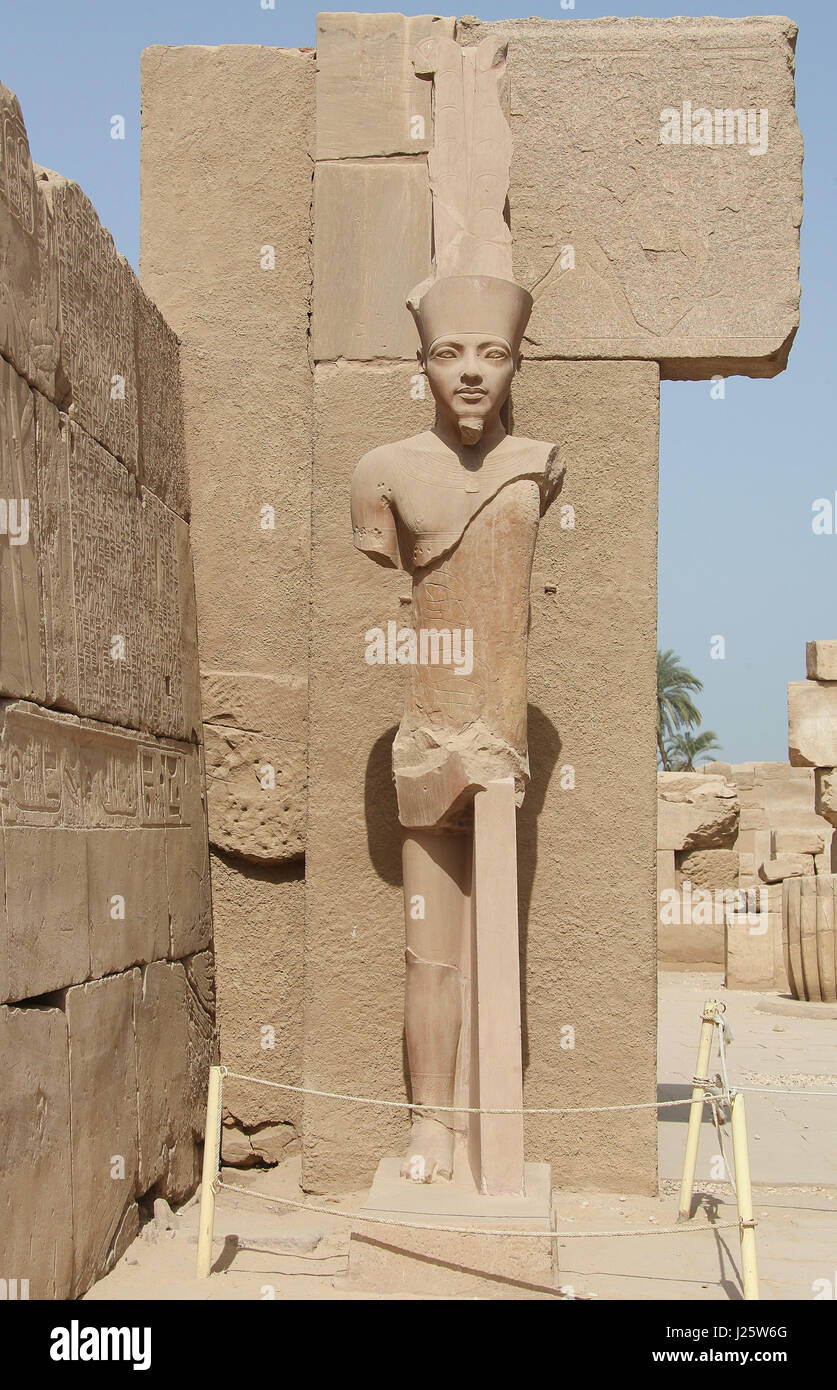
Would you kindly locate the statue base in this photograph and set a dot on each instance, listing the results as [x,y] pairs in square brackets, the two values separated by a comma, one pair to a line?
[468,1264]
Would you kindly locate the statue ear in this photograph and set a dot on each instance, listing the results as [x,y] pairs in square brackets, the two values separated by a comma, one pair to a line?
[518,366]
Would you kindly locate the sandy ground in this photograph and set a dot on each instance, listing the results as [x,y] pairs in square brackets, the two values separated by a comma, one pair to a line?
[264,1251]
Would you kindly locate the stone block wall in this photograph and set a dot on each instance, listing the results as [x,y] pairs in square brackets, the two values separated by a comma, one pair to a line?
[106,966]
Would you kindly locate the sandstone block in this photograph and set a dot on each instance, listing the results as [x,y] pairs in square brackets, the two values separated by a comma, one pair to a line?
[695,811]
[259,914]
[255,794]
[750,949]
[97,321]
[162,445]
[825,795]
[821,661]
[786,866]
[368,95]
[252,700]
[227,262]
[36,1199]
[187,866]
[46,910]
[168,1158]
[127,599]
[709,868]
[55,555]
[798,842]
[683,253]
[203,1034]
[359,305]
[29,314]
[22,668]
[129,920]
[103,1098]
[812,724]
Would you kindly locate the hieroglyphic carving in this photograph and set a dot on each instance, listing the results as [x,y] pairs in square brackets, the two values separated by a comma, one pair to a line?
[21,659]
[28,278]
[97,343]
[61,771]
[55,556]
[104,527]
[158,619]
[127,598]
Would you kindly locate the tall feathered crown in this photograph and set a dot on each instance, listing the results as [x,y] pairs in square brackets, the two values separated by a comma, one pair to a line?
[471,288]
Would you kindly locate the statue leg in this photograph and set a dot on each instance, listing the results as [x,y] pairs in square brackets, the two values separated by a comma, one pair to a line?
[437,872]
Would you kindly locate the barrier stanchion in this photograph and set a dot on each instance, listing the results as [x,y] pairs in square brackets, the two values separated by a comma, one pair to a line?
[746,1221]
[211,1170]
[701,1081]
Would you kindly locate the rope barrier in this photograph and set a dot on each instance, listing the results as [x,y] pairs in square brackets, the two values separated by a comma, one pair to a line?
[470,1230]
[526,1110]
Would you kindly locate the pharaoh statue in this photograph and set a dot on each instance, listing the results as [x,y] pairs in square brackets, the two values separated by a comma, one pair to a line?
[458,508]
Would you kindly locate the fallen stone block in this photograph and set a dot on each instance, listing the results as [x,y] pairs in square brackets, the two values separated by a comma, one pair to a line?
[786,866]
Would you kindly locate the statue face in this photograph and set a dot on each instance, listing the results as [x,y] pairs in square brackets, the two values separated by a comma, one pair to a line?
[470,376]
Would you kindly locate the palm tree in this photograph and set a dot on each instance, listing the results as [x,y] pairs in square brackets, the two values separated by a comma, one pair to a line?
[686,748]
[675,709]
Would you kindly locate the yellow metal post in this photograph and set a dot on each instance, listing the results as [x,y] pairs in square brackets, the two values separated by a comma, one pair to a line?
[701,1079]
[746,1223]
[211,1162]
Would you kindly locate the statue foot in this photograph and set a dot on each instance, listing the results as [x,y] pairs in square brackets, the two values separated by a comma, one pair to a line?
[430,1153]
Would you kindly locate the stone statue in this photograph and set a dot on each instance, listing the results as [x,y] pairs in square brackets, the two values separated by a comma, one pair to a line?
[458,508]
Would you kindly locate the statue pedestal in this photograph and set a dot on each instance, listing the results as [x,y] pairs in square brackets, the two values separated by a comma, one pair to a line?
[401,1259]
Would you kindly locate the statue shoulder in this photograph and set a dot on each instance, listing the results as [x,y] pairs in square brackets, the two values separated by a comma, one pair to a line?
[548,461]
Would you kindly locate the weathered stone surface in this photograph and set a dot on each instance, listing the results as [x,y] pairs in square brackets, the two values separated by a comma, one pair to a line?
[46,910]
[55,555]
[129,920]
[251,700]
[798,842]
[709,868]
[162,446]
[826,793]
[264,1144]
[786,866]
[750,949]
[36,1200]
[28,269]
[189,663]
[359,306]
[103,1098]
[255,794]
[97,321]
[22,668]
[207,213]
[187,866]
[695,811]
[129,609]
[812,724]
[168,1157]
[368,96]
[821,661]
[203,1034]
[259,915]
[684,254]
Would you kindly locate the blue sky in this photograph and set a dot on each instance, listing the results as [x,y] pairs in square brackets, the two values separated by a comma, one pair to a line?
[738,477]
